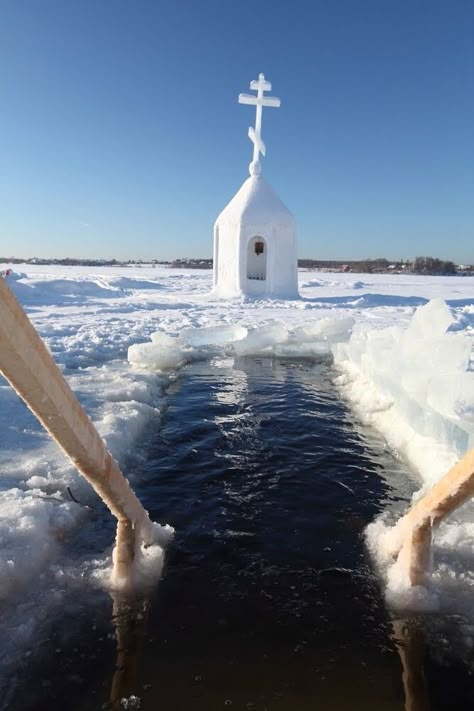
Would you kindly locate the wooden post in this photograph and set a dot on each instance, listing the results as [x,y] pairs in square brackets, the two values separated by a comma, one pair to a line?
[410,538]
[124,551]
[29,368]
[415,553]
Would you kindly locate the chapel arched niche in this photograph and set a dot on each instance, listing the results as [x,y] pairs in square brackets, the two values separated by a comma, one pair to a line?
[257,258]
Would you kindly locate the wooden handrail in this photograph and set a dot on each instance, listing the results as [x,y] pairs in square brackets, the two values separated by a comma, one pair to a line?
[30,369]
[410,538]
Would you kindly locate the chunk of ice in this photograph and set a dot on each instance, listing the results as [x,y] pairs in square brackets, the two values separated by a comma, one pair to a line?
[213,335]
[261,339]
[163,353]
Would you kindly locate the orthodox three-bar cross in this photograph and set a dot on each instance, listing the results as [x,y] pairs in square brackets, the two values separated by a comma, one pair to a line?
[255,134]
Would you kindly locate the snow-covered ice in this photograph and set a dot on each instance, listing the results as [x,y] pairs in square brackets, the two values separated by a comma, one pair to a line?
[119,334]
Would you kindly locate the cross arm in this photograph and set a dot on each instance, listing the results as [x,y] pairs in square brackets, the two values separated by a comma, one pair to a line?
[264,101]
[271,101]
[247,99]
[257,84]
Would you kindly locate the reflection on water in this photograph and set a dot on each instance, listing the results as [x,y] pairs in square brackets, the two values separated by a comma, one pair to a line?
[268,600]
[231,392]
[410,642]
[130,619]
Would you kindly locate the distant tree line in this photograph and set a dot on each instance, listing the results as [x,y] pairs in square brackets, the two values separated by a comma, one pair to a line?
[192,263]
[433,265]
[76,262]
[380,264]
[420,265]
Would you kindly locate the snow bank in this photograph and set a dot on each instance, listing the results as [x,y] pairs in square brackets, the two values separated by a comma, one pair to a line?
[57,291]
[31,525]
[75,290]
[414,384]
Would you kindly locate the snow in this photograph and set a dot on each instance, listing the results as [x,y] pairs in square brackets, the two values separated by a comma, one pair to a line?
[120,334]
[256,202]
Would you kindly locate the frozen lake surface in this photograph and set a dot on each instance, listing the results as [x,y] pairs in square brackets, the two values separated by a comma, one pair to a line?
[268,599]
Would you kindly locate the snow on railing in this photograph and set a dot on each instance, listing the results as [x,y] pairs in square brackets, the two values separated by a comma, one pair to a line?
[30,369]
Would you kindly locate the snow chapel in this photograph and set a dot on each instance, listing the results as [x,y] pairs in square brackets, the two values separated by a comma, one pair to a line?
[255,235]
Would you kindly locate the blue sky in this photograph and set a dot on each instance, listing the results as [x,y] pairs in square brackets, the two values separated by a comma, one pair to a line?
[121,135]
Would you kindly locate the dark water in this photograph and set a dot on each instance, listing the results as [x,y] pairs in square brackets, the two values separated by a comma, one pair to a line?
[268,599]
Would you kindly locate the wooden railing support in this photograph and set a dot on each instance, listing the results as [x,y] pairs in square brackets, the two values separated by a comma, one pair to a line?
[410,538]
[30,369]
